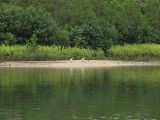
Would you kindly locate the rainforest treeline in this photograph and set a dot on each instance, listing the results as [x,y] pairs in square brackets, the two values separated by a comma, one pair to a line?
[94,24]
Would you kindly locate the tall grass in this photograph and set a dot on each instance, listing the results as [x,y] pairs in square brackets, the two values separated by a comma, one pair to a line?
[142,52]
[46,53]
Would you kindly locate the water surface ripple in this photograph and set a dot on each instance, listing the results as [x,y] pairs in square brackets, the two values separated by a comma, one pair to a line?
[124,93]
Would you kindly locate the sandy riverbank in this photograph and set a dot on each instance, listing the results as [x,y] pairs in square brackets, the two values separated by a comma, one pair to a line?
[75,63]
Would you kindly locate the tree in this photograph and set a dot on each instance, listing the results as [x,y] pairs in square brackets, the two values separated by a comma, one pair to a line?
[152,14]
[24,22]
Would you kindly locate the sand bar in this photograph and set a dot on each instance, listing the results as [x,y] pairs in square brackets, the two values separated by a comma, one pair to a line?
[75,64]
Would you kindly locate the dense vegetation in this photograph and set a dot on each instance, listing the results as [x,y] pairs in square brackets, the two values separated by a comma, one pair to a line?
[90,24]
[46,53]
[135,52]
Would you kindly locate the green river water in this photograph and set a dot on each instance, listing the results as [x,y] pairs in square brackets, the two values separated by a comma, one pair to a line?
[124,93]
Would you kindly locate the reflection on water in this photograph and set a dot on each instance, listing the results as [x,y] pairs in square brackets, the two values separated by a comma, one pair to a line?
[80,94]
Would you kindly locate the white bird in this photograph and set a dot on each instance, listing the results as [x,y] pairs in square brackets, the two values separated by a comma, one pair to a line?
[71,59]
[83,59]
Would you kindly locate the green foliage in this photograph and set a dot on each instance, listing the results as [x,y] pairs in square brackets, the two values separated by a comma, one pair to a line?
[99,54]
[152,15]
[39,22]
[8,39]
[76,36]
[63,38]
[24,22]
[135,52]
[94,24]
[32,44]
[97,37]
[47,53]
[93,36]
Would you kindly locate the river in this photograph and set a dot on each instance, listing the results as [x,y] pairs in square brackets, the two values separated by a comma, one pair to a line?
[118,93]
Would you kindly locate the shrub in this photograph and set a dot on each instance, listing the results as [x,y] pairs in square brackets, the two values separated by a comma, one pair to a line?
[9,39]
[32,44]
[47,53]
[135,52]
[93,36]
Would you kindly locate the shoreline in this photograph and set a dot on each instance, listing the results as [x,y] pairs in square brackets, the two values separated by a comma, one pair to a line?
[74,64]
